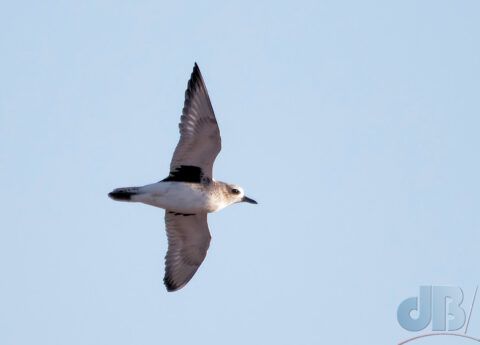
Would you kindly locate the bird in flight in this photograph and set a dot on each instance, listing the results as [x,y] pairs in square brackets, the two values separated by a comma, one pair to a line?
[190,191]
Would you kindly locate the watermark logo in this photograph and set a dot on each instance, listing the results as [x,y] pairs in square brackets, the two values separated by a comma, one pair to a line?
[440,306]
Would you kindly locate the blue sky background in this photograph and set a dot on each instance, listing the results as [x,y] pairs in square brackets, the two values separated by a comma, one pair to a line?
[354,124]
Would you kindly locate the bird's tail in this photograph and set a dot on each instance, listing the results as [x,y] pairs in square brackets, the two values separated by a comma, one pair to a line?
[124,194]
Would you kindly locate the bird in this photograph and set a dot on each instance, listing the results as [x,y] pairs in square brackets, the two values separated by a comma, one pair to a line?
[189,192]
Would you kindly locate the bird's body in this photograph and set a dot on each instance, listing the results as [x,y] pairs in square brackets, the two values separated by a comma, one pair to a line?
[180,197]
[189,192]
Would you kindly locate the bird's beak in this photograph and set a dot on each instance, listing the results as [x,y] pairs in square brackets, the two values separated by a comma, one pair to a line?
[247,199]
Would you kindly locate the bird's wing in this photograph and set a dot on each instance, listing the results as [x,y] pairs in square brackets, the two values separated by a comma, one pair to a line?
[188,242]
[200,140]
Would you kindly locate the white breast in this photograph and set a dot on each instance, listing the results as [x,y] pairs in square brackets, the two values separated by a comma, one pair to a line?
[179,197]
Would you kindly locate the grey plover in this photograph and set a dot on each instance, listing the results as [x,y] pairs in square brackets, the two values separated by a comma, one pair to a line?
[189,192]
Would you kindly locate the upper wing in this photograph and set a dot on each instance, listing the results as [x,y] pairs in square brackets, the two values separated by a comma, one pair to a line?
[200,140]
[188,242]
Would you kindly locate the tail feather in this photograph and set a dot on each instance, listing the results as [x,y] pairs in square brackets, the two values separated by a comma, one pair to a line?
[123,194]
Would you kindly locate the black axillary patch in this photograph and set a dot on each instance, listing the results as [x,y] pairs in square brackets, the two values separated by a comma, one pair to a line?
[185,173]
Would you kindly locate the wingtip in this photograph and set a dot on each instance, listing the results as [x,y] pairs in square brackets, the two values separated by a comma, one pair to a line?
[171,286]
[196,69]
[196,78]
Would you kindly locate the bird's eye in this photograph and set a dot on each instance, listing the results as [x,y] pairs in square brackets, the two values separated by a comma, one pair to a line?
[235,191]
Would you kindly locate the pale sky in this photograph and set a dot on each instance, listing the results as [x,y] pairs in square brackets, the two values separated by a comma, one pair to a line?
[355,125]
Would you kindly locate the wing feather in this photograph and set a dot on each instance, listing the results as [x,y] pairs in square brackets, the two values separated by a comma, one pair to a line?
[188,242]
[200,140]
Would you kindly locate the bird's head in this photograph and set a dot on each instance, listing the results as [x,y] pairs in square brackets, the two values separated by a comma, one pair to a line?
[236,194]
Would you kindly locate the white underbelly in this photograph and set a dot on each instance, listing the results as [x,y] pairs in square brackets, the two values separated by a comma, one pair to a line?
[177,196]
